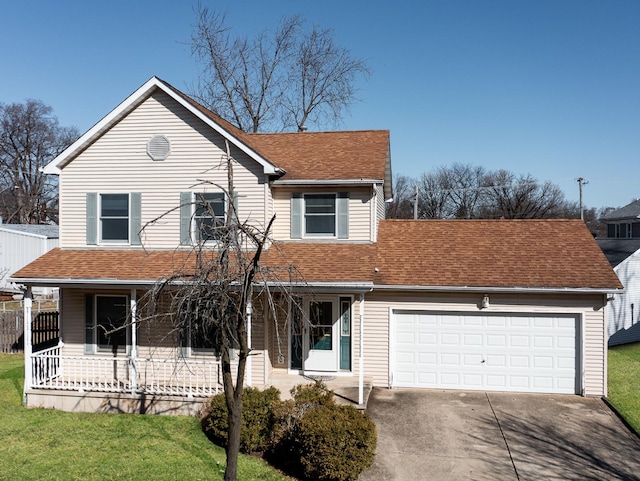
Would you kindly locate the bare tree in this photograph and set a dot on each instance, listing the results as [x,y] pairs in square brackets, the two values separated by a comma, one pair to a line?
[30,137]
[434,198]
[276,80]
[212,295]
[522,197]
[403,197]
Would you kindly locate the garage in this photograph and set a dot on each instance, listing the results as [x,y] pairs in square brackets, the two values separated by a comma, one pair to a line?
[485,351]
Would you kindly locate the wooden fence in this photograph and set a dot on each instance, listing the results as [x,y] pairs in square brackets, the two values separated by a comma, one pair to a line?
[11,330]
[45,331]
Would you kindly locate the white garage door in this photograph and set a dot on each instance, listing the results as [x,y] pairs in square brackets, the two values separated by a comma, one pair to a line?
[513,352]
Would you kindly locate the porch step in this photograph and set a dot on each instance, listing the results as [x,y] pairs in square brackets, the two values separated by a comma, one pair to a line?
[345,389]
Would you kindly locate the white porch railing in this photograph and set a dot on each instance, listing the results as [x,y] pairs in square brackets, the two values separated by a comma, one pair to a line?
[176,377]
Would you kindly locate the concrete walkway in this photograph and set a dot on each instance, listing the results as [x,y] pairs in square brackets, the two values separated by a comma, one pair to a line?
[445,435]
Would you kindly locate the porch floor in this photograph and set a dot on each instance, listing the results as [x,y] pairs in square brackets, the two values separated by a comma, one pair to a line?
[345,388]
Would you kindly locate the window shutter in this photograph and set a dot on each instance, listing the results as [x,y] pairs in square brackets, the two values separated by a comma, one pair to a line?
[185,218]
[92,218]
[89,343]
[343,215]
[135,220]
[296,215]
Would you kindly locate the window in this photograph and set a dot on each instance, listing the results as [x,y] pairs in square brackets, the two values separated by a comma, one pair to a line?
[623,231]
[209,215]
[202,334]
[106,323]
[320,215]
[114,217]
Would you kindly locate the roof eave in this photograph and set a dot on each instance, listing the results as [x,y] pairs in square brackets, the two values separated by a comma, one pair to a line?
[328,182]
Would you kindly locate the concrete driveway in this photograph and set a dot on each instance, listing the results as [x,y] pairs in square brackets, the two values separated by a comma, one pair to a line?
[445,435]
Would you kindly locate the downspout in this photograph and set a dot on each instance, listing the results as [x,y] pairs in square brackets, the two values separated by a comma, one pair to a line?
[134,341]
[28,361]
[249,363]
[360,354]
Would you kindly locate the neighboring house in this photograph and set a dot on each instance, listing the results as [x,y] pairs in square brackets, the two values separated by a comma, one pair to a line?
[624,223]
[623,310]
[481,304]
[20,244]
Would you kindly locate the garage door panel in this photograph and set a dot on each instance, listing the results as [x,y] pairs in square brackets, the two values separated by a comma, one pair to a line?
[532,353]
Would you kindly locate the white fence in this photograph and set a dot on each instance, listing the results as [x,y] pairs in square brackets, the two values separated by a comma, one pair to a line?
[176,377]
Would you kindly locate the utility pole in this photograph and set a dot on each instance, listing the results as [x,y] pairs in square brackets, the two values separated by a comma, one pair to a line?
[415,204]
[581,181]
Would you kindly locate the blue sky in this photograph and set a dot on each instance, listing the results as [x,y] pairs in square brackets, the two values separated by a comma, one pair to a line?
[546,87]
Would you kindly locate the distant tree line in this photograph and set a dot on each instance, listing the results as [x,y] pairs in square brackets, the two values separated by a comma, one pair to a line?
[462,191]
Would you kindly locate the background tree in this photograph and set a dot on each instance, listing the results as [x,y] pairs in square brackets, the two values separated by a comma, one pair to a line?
[521,197]
[30,137]
[278,80]
[403,197]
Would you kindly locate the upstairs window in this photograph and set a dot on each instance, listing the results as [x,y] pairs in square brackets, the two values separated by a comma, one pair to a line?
[320,215]
[323,215]
[114,218]
[209,215]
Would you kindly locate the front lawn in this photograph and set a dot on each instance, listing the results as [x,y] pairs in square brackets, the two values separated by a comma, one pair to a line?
[624,382]
[40,444]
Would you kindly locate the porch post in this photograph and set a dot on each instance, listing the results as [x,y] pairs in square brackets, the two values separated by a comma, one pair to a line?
[361,355]
[27,304]
[134,341]
[249,316]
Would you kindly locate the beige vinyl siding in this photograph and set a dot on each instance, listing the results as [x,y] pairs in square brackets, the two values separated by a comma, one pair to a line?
[118,163]
[588,309]
[360,199]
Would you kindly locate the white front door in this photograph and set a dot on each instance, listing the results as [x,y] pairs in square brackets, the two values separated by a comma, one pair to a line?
[321,336]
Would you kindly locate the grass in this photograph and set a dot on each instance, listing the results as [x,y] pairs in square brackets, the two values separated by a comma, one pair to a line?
[40,444]
[624,382]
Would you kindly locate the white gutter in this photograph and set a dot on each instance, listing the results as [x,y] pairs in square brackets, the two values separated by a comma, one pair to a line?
[361,354]
[504,290]
[323,183]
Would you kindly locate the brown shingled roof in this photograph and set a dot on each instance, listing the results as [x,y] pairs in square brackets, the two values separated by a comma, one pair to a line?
[327,155]
[544,254]
[338,155]
[491,253]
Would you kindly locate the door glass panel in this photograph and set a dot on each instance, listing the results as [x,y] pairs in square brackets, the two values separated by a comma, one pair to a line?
[321,317]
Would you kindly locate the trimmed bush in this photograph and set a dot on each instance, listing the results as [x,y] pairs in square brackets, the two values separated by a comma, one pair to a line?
[335,443]
[257,419]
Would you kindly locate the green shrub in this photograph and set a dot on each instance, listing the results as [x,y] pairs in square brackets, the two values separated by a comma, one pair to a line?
[312,395]
[335,443]
[257,419]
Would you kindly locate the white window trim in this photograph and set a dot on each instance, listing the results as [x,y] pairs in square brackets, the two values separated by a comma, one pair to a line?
[101,241]
[304,216]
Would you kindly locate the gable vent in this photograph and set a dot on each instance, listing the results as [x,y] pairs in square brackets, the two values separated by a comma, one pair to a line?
[158,147]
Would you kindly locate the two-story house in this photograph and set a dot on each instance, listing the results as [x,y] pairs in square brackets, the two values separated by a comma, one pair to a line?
[492,305]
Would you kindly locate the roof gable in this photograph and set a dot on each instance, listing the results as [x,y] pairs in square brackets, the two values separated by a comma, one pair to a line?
[316,156]
[220,125]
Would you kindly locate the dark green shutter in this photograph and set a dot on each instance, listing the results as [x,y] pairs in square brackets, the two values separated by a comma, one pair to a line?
[135,220]
[185,218]
[343,215]
[92,218]
[296,215]
[89,331]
